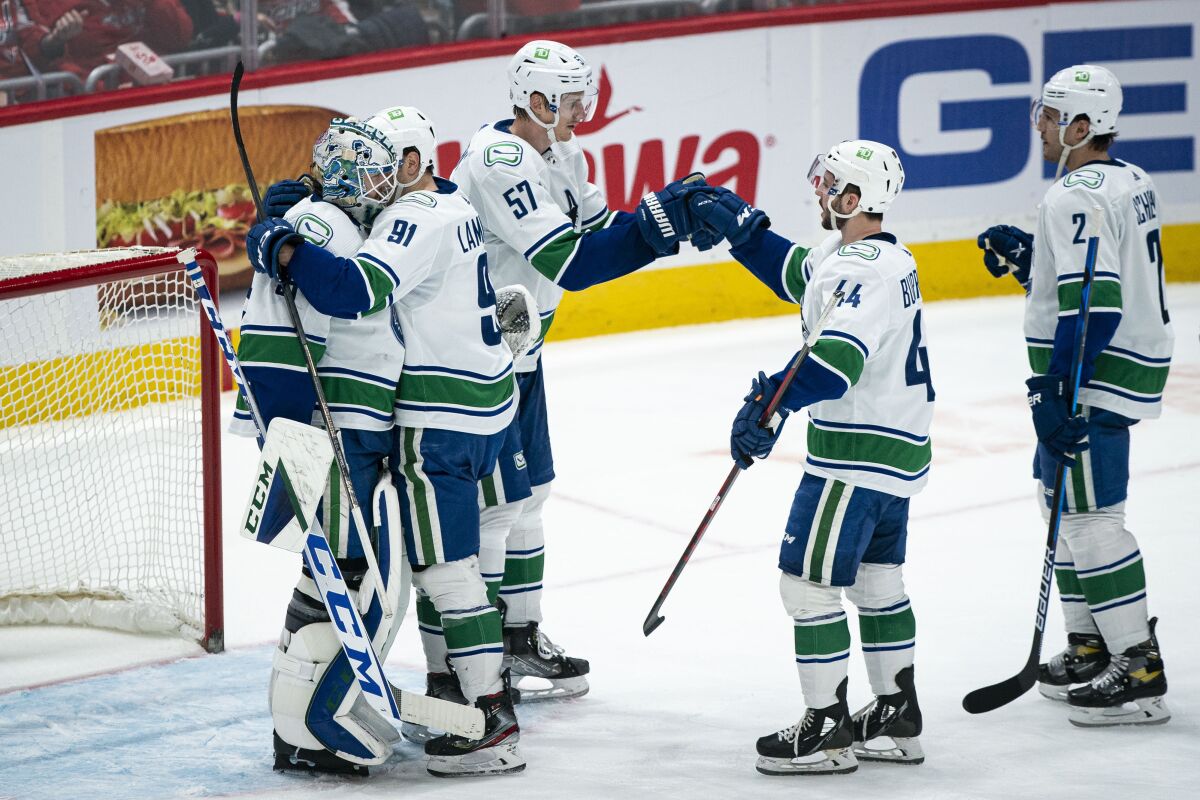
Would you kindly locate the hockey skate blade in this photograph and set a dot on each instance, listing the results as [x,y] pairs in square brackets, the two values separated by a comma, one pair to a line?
[1144,711]
[891,750]
[502,759]
[1052,692]
[559,688]
[823,762]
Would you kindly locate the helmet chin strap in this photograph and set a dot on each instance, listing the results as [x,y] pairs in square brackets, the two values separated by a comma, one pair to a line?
[1067,148]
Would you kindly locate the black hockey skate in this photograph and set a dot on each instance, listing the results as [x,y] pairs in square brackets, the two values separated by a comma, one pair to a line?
[529,653]
[442,685]
[452,756]
[1084,657]
[887,729]
[1128,692]
[291,757]
[819,744]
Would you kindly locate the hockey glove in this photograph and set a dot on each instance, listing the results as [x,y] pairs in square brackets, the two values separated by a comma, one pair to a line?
[1007,251]
[747,440]
[263,243]
[725,214]
[1062,435]
[662,216]
[281,196]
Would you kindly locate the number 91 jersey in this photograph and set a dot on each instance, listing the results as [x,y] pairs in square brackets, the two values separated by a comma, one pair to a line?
[876,435]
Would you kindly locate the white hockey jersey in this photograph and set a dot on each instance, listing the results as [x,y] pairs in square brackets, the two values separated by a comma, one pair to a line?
[425,258]
[876,435]
[1131,371]
[358,361]
[526,200]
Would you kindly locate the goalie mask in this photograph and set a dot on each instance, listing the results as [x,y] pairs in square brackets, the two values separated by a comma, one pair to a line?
[554,71]
[358,169]
[873,167]
[1086,90]
[406,127]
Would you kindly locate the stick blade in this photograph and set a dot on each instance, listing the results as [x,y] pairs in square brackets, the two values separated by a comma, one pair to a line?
[989,698]
[651,624]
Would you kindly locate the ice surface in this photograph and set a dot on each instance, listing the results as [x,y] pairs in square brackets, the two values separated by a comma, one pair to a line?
[640,426]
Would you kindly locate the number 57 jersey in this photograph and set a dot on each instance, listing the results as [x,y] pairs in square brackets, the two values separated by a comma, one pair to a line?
[876,434]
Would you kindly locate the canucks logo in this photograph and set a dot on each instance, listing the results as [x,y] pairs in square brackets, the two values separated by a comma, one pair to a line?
[519,459]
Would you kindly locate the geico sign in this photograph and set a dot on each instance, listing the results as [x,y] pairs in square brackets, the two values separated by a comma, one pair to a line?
[737,153]
[1006,62]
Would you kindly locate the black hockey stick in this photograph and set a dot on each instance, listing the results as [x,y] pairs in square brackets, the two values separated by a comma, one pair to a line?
[289,297]
[989,698]
[767,420]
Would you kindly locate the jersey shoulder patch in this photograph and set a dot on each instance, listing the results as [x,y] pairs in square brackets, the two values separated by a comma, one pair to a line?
[864,250]
[426,199]
[1086,176]
[313,229]
[508,153]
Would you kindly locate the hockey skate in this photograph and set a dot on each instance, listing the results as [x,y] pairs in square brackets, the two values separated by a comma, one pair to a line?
[888,727]
[1084,657]
[442,685]
[496,753]
[1128,692]
[290,757]
[819,744]
[529,653]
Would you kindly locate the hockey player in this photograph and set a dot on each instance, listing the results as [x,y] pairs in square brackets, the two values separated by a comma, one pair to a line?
[425,261]
[359,366]
[869,395]
[547,229]
[1111,647]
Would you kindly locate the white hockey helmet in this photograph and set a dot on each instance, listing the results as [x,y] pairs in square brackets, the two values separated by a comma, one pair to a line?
[405,127]
[553,70]
[873,167]
[358,168]
[1081,89]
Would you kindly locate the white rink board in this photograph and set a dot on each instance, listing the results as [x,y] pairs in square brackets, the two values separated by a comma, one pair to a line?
[640,427]
[761,102]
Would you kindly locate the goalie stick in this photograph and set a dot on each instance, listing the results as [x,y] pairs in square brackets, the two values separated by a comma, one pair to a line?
[989,698]
[393,703]
[767,420]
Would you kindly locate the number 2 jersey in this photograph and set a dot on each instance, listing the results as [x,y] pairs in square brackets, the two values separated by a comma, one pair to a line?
[1129,337]
[358,361]
[424,268]
[866,381]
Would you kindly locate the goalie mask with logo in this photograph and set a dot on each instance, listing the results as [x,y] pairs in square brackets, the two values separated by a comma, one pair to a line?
[358,169]
[873,169]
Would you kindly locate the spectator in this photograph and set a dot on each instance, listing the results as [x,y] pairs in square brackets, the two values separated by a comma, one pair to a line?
[19,39]
[84,33]
[318,29]
[213,23]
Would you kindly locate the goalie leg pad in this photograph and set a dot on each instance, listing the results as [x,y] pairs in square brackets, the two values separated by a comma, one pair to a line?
[886,626]
[314,698]
[470,624]
[1111,576]
[822,637]
[525,562]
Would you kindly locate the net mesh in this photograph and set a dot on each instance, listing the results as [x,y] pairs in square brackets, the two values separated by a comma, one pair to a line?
[101,464]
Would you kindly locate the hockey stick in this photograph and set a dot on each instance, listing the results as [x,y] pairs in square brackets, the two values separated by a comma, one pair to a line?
[289,298]
[767,420]
[989,698]
[393,702]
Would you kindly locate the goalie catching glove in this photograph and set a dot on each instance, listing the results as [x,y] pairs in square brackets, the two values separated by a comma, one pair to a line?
[520,323]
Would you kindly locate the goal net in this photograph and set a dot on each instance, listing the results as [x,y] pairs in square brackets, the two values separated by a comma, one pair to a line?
[109,444]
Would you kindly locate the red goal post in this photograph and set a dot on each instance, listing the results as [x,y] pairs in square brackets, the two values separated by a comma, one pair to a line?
[110,459]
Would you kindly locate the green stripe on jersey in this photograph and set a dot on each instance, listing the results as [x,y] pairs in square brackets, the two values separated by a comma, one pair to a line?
[1106,294]
[473,630]
[427,613]
[519,571]
[1100,589]
[1068,582]
[284,350]
[870,448]
[420,500]
[547,321]
[551,259]
[599,224]
[1113,369]
[420,387]
[842,356]
[899,626]
[379,285]
[823,639]
[346,391]
[824,529]
[793,273]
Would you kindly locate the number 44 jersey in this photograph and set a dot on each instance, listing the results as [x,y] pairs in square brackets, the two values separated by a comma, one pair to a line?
[1127,376]
[876,434]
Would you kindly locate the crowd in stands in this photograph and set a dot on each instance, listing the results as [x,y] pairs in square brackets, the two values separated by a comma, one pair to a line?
[68,40]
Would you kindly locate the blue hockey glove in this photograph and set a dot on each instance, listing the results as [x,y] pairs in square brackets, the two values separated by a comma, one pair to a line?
[703,239]
[725,214]
[1007,251]
[662,216]
[263,243]
[281,196]
[747,441]
[1061,434]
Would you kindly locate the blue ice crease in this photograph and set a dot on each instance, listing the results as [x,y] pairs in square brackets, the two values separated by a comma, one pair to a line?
[198,727]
